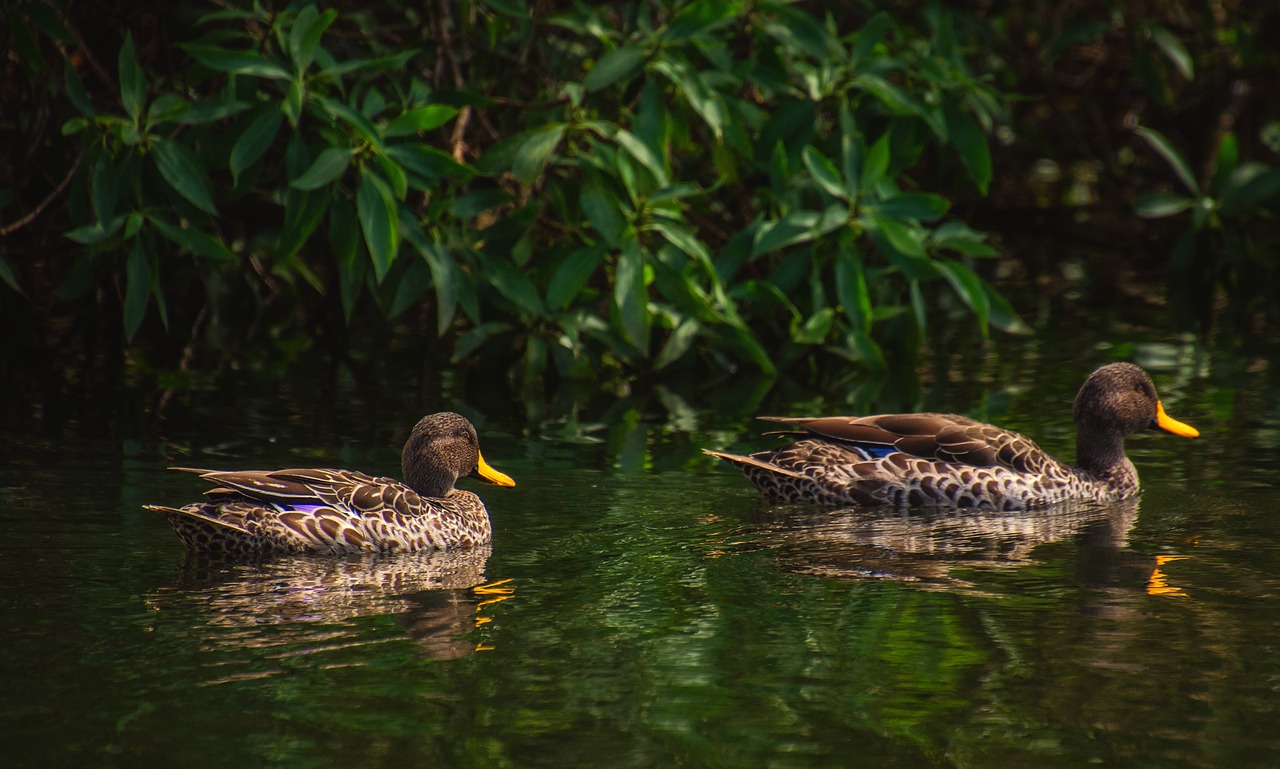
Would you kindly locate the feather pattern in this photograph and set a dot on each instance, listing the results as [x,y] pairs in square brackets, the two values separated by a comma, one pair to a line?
[324,510]
[946,460]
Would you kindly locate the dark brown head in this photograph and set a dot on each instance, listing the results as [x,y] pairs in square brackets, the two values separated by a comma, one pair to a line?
[441,449]
[1115,401]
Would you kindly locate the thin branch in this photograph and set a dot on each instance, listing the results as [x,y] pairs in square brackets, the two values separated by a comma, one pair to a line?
[24,221]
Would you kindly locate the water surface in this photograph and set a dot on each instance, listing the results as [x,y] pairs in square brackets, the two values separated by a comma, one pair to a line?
[641,606]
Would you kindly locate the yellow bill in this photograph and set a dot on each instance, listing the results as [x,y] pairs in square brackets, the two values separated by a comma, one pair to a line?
[1169,424]
[484,471]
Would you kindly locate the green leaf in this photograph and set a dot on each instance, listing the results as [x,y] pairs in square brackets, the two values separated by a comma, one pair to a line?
[614,65]
[534,152]
[572,275]
[970,288]
[642,152]
[869,37]
[1171,155]
[205,112]
[137,289]
[344,239]
[179,168]
[875,164]
[824,172]
[427,164]
[677,191]
[960,238]
[444,280]
[692,85]
[106,185]
[330,165]
[630,296]
[305,35]
[376,209]
[816,328]
[797,227]
[970,142]
[851,287]
[678,343]
[866,350]
[685,240]
[133,84]
[236,62]
[193,240]
[801,31]
[698,18]
[419,119]
[1174,50]
[603,210]
[748,345]
[1228,159]
[166,107]
[394,63]
[357,121]
[898,234]
[303,210]
[471,341]
[1157,205]
[394,174]
[291,107]
[413,284]
[254,142]
[7,274]
[1250,185]
[514,285]
[921,206]
[96,232]
[1002,315]
[75,89]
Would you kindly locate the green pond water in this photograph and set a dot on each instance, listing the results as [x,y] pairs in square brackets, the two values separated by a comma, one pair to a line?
[642,606]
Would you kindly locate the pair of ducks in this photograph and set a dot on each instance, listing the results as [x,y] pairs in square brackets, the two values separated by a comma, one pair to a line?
[939,460]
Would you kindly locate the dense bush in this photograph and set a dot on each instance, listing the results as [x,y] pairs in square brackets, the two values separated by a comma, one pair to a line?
[594,187]
[589,189]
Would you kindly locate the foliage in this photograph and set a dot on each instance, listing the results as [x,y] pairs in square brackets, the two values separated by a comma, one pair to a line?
[1229,239]
[711,182]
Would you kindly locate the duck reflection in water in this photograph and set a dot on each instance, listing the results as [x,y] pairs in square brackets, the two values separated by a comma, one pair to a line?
[929,545]
[304,604]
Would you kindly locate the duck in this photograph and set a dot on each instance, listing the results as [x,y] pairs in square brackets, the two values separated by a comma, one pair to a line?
[947,460]
[323,510]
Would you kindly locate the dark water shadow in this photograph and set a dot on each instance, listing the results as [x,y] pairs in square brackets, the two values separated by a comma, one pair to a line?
[296,600]
[929,546]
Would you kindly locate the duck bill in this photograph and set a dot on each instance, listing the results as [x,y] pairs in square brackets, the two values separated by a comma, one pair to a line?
[1169,424]
[487,473]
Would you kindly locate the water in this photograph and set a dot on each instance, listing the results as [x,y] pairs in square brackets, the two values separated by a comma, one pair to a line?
[640,606]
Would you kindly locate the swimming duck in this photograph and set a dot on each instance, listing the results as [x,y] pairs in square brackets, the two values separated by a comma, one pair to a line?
[944,460]
[256,512]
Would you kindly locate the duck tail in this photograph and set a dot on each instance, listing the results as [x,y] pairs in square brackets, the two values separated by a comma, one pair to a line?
[200,532]
[743,462]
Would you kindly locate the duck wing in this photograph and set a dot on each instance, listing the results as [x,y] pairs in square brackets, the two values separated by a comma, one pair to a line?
[345,491]
[948,438]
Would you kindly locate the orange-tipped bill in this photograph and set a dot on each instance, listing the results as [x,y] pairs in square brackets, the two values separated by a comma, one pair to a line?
[485,472]
[1169,424]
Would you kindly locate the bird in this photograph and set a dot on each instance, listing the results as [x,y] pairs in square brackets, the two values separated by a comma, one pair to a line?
[946,460]
[321,510]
